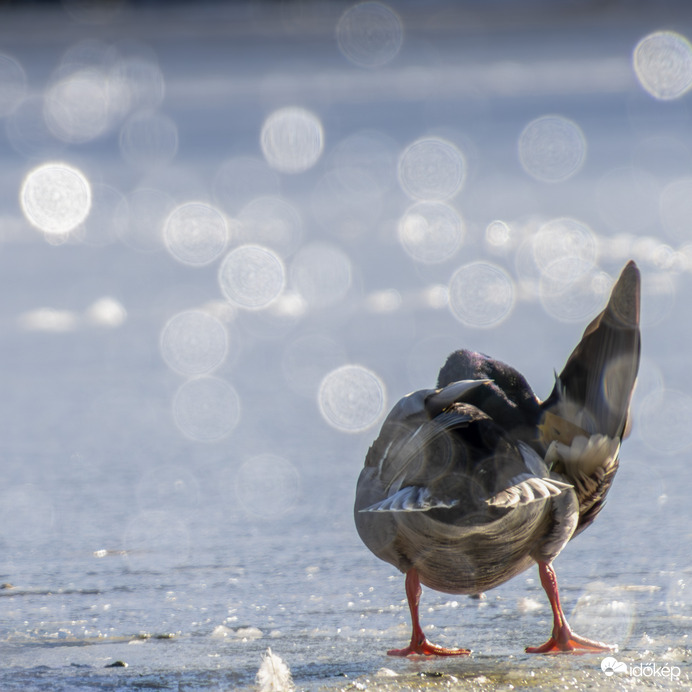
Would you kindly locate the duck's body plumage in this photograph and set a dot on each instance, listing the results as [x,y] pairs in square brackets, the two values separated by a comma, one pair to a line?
[473,482]
[438,496]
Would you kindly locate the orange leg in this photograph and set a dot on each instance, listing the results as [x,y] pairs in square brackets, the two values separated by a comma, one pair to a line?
[562,638]
[419,644]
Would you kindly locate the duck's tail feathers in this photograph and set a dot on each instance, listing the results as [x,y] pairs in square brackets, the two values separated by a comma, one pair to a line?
[594,389]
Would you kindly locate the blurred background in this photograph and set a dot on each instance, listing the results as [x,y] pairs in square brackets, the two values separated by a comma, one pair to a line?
[233,235]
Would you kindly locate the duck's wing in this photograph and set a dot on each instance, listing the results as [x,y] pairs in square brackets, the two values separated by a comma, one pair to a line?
[460,461]
[587,413]
[411,459]
[411,452]
[417,420]
[526,489]
[412,498]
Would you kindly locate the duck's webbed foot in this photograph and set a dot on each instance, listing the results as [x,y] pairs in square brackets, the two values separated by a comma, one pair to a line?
[422,647]
[419,645]
[566,641]
[562,640]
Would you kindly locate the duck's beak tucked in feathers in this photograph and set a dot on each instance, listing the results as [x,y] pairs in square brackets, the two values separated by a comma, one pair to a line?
[469,484]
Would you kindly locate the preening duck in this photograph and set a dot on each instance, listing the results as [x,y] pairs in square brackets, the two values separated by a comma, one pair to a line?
[471,483]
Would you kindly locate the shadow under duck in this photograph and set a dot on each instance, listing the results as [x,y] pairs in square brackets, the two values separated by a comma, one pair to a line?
[471,483]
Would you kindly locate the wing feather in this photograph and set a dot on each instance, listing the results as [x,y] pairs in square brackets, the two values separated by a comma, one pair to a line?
[411,499]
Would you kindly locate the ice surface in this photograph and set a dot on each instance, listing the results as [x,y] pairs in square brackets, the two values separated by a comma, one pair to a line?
[232,235]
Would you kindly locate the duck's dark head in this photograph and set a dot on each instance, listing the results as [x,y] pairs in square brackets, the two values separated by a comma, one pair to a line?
[508,399]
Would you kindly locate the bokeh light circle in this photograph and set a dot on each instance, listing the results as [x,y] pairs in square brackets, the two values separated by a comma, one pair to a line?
[271,221]
[321,273]
[369,34]
[193,342]
[431,232]
[292,140]
[267,486]
[432,169]
[76,108]
[206,409]
[573,289]
[136,82]
[55,198]
[552,148]
[195,233]
[351,398]
[252,277]
[499,235]
[481,294]
[156,541]
[662,62]
[564,239]
[168,486]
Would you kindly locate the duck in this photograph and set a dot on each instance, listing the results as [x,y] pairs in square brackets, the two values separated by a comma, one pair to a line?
[472,482]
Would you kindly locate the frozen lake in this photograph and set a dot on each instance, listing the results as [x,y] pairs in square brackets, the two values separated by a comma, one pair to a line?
[233,237]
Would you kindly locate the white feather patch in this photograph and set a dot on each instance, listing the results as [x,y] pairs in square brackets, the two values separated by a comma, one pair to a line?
[273,675]
[412,498]
[528,489]
[584,454]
